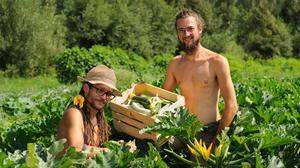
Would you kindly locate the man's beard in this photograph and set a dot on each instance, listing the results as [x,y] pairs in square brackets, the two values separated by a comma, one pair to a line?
[182,46]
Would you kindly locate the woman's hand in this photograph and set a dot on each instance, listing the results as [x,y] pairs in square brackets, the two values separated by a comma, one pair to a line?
[103,149]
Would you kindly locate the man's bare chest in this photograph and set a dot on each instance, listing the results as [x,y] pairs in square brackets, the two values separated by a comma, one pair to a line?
[195,75]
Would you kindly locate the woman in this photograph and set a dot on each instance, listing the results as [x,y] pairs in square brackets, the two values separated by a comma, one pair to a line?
[83,123]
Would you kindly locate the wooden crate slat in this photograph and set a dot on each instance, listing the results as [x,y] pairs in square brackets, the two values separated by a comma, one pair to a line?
[132,114]
[130,130]
[161,93]
[140,88]
[128,120]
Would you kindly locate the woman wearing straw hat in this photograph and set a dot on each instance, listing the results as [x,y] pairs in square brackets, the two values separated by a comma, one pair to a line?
[83,123]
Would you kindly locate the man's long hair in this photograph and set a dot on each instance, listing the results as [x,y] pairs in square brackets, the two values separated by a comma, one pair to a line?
[103,126]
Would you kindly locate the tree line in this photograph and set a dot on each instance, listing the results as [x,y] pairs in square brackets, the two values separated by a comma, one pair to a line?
[34,32]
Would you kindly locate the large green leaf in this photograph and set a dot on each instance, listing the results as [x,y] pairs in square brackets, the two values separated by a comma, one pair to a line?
[32,160]
[179,123]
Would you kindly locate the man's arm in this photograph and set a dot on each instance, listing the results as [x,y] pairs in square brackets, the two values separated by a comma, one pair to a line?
[170,81]
[227,91]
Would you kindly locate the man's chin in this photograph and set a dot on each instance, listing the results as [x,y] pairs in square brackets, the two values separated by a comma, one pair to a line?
[188,48]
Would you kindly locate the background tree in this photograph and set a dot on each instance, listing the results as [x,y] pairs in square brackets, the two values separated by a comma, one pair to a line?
[87,21]
[291,15]
[30,35]
[262,34]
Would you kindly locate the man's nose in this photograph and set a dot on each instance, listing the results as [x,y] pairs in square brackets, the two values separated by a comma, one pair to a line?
[186,33]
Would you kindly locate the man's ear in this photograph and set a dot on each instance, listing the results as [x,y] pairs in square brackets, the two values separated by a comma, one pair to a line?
[200,31]
[86,89]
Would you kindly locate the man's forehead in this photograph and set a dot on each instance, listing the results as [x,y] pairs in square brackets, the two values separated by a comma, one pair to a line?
[189,21]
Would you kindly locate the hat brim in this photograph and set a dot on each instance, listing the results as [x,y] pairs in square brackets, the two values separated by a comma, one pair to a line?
[116,92]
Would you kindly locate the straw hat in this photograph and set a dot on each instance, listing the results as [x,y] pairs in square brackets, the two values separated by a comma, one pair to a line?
[101,74]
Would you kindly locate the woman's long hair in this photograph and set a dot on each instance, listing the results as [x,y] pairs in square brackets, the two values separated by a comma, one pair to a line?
[103,126]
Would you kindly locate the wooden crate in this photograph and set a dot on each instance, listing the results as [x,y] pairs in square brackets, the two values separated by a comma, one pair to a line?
[131,122]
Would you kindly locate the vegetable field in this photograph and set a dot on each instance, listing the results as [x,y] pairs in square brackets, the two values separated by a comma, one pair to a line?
[265,132]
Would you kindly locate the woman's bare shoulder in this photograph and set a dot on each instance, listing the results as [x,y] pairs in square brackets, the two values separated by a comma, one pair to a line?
[73,115]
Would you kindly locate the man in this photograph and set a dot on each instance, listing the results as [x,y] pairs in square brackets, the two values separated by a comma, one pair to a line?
[83,123]
[201,75]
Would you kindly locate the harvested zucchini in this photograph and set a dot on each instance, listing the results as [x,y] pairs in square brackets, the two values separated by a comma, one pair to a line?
[142,100]
[140,108]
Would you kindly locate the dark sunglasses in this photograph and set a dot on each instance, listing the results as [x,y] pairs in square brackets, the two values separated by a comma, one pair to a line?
[102,92]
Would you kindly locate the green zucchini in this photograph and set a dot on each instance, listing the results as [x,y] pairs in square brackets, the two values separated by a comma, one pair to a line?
[142,100]
[138,107]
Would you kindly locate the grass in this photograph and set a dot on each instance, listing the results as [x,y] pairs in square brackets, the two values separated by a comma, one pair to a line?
[240,68]
[275,67]
[18,84]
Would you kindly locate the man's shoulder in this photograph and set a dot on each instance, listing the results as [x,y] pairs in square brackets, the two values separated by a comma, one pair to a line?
[176,59]
[217,59]
[174,62]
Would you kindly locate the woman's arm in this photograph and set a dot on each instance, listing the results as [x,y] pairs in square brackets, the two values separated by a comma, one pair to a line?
[72,124]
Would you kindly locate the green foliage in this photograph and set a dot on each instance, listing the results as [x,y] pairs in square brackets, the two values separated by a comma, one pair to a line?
[291,13]
[143,27]
[119,155]
[139,26]
[208,12]
[162,60]
[130,29]
[153,159]
[29,43]
[125,78]
[38,117]
[178,123]
[265,131]
[72,63]
[35,84]
[296,44]
[31,158]
[218,42]
[31,34]
[278,67]
[264,35]
[87,21]
[266,123]
[78,61]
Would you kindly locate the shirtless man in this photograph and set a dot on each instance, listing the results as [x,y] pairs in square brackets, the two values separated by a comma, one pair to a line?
[83,123]
[201,75]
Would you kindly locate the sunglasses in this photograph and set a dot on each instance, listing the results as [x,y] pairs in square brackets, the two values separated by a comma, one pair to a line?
[102,92]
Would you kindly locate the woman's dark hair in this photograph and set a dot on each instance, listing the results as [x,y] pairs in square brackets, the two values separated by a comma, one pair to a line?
[104,128]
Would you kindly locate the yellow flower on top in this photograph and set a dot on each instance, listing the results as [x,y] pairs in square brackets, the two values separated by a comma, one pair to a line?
[201,147]
[78,101]
[205,152]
